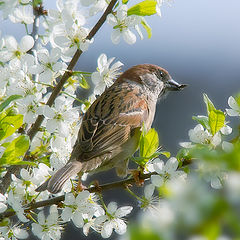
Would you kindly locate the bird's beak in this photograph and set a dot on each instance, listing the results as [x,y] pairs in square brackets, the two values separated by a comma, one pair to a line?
[174,86]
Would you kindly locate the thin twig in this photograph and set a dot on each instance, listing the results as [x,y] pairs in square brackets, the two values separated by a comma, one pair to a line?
[56,200]
[34,128]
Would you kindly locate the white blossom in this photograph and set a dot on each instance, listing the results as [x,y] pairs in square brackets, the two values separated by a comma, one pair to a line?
[166,171]
[15,51]
[60,116]
[22,14]
[96,6]
[48,228]
[49,66]
[199,135]
[15,232]
[84,206]
[28,106]
[149,201]
[122,23]
[69,39]
[7,7]
[113,220]
[67,13]
[40,173]
[15,201]
[214,175]
[159,5]
[3,203]
[235,107]
[105,74]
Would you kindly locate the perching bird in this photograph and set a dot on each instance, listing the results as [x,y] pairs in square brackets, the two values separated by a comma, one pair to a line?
[111,127]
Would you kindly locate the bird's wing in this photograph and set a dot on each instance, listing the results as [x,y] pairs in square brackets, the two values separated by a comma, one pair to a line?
[110,122]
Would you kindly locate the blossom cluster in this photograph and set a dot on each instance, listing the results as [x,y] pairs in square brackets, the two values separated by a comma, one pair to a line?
[203,135]
[30,69]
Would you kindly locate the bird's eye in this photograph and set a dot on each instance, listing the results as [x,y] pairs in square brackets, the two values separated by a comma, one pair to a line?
[161,74]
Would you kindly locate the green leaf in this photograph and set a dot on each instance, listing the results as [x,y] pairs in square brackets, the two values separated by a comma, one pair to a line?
[140,160]
[147,28]
[216,120]
[82,80]
[125,1]
[143,160]
[9,124]
[15,150]
[209,104]
[25,163]
[83,83]
[8,101]
[165,153]
[184,155]
[37,2]
[149,143]
[203,120]
[145,8]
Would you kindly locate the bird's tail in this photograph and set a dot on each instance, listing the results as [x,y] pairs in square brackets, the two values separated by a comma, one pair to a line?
[55,183]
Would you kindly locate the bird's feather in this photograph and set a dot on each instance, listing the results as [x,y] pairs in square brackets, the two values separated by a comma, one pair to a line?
[103,131]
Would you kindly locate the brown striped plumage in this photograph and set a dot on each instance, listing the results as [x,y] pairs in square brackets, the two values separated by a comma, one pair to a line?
[110,129]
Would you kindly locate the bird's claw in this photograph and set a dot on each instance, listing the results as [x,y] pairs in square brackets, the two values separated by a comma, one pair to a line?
[80,187]
[136,175]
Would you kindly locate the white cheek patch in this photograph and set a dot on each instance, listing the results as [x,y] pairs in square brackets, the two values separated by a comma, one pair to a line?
[154,84]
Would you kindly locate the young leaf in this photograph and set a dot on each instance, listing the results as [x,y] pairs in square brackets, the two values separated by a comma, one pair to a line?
[149,143]
[83,83]
[14,150]
[209,104]
[203,120]
[140,160]
[145,8]
[183,154]
[9,124]
[147,28]
[216,120]
[125,1]
[8,101]
[165,153]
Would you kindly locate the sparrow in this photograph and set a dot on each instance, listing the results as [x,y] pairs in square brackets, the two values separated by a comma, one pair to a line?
[111,127]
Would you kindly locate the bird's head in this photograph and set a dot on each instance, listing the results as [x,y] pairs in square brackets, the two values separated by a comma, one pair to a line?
[153,78]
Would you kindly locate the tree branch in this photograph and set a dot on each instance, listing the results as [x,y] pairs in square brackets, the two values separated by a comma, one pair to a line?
[57,200]
[34,128]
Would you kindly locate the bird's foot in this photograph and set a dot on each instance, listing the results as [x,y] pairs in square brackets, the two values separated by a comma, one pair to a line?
[80,187]
[136,173]
[97,186]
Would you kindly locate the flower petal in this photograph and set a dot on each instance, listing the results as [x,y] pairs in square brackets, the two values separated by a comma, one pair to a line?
[78,219]
[112,207]
[149,190]
[129,37]
[26,43]
[120,226]
[171,165]
[107,229]
[157,180]
[123,211]
[116,36]
[233,103]
[3,207]
[66,214]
